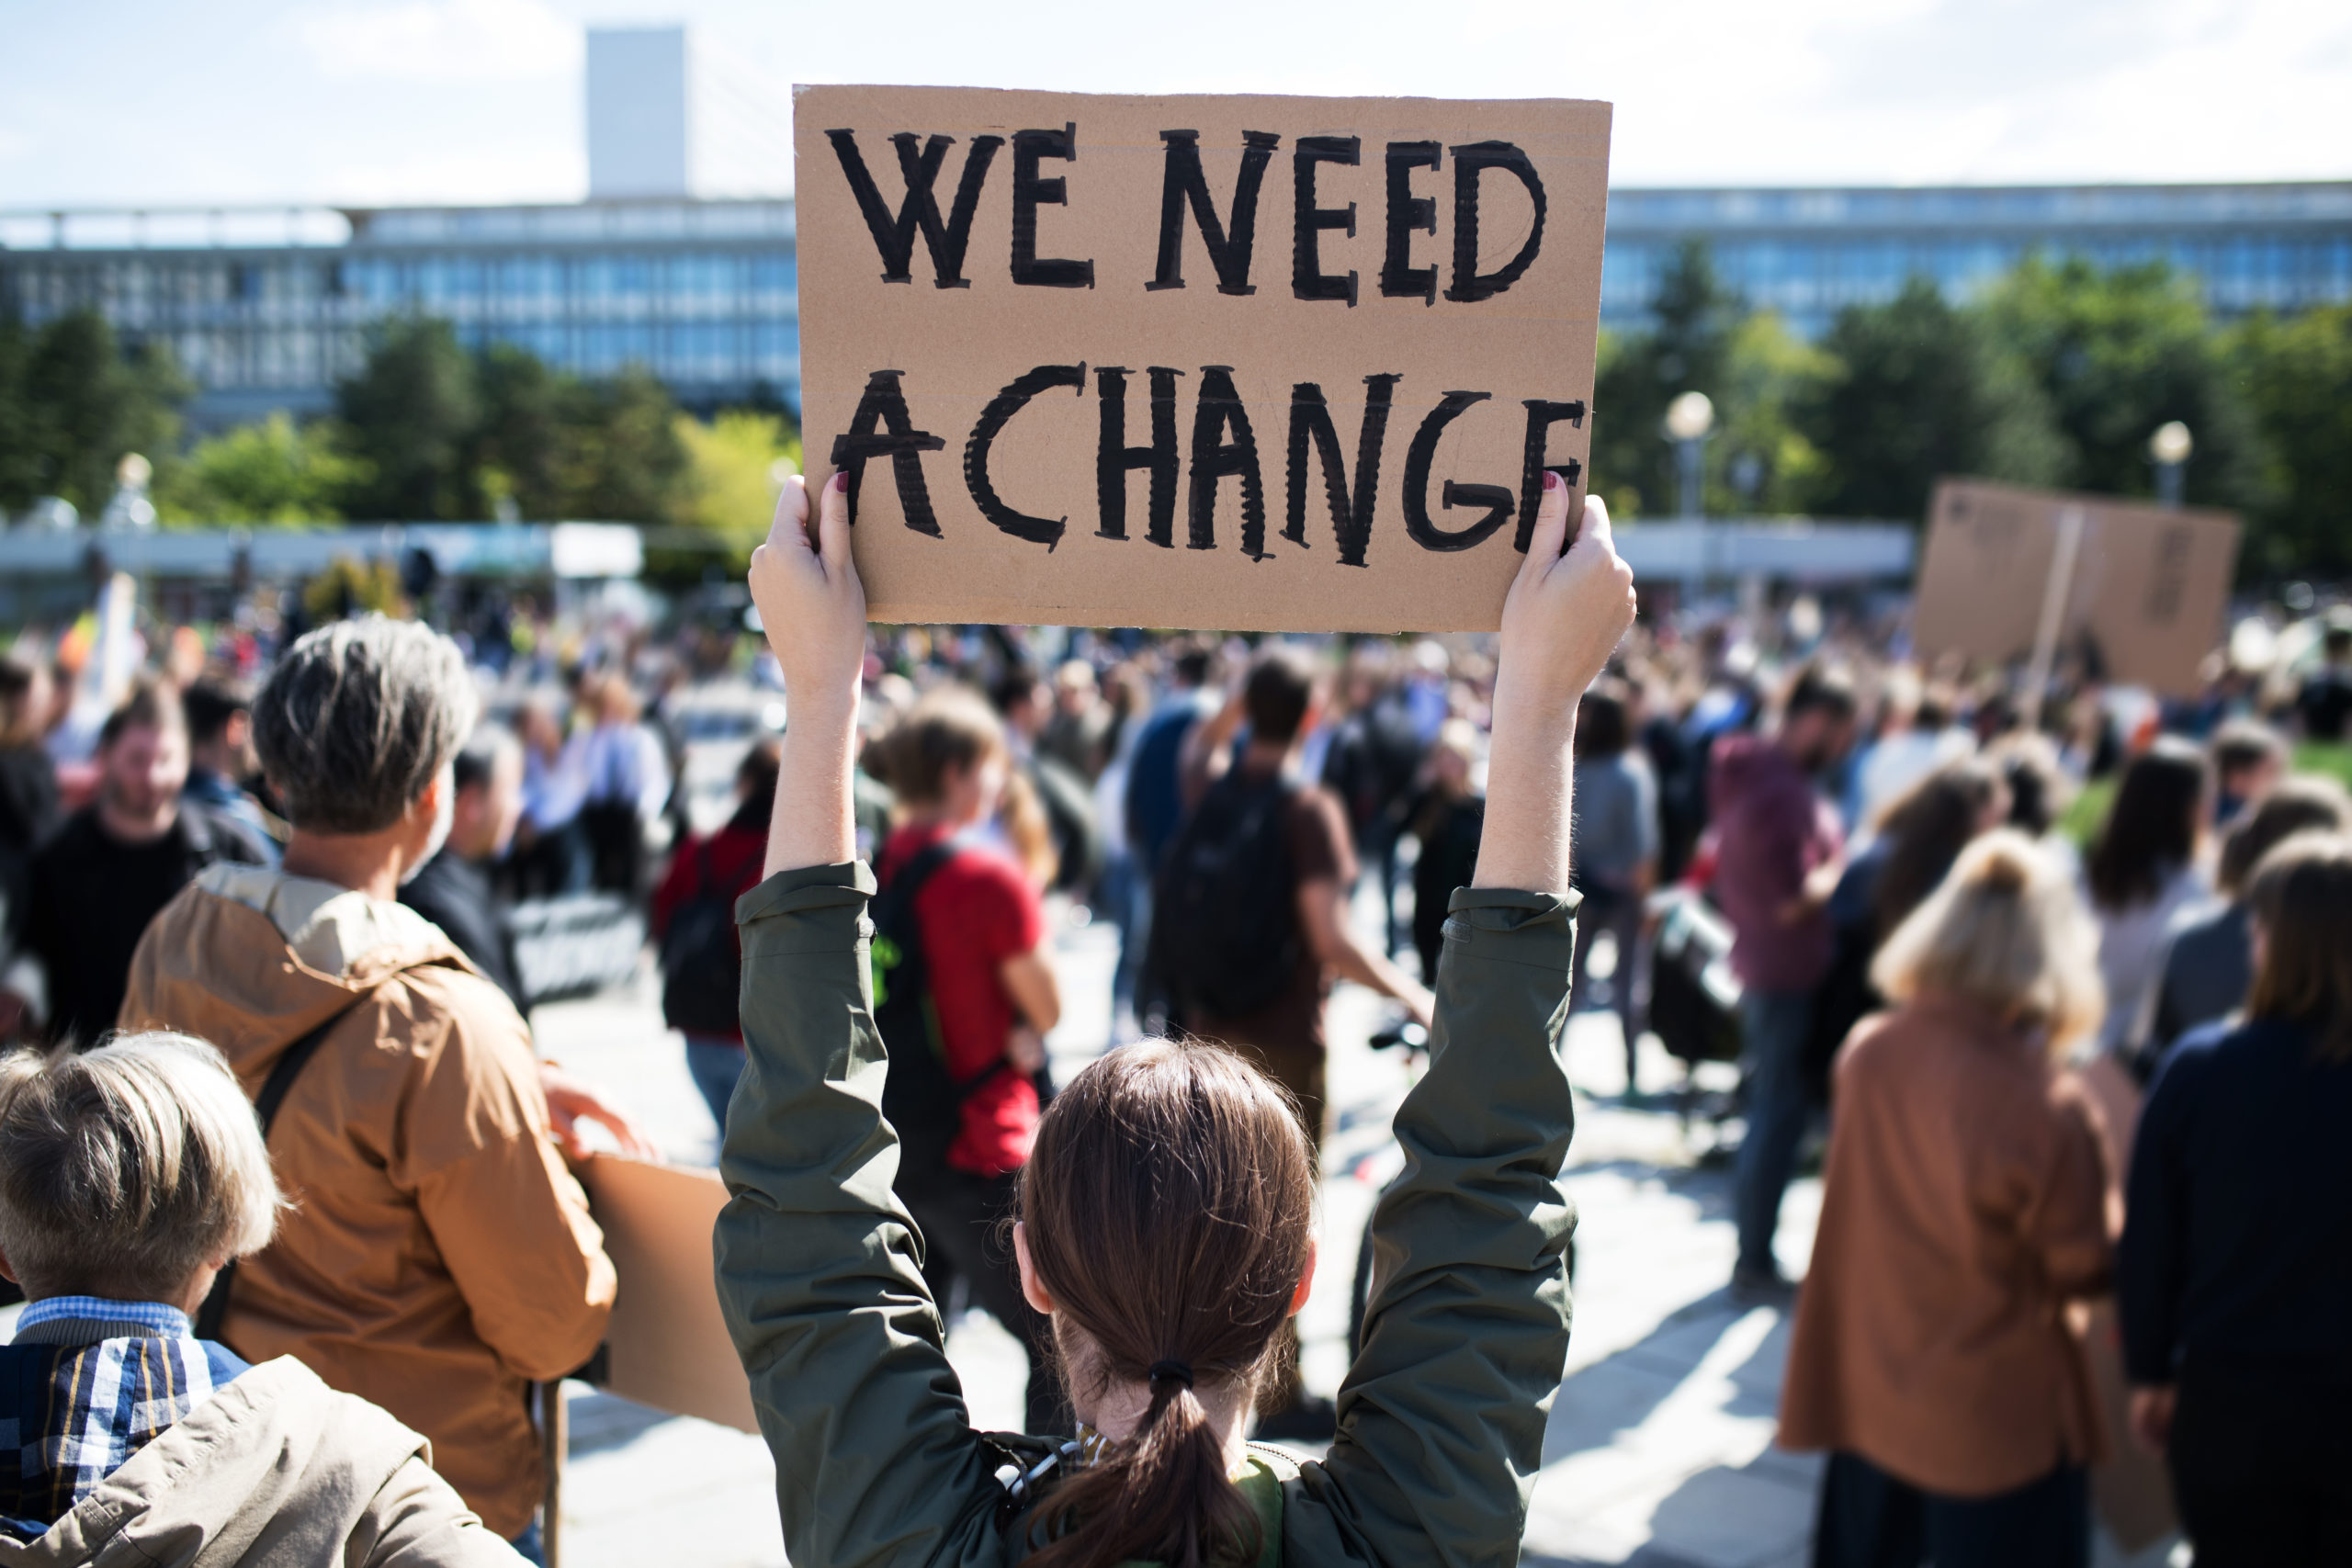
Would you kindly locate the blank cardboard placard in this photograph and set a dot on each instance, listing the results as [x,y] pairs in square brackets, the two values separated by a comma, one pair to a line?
[2146,600]
[667,1346]
[1250,363]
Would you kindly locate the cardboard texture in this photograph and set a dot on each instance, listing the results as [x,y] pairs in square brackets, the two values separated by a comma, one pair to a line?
[668,1346]
[2146,600]
[1098,312]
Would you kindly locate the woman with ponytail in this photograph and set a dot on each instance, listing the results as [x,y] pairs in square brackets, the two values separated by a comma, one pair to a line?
[1164,1220]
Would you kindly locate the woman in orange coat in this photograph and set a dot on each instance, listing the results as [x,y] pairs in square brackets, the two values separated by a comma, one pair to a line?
[1963,1209]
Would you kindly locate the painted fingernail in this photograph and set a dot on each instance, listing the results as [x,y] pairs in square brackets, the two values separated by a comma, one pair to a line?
[1551,479]
[840,480]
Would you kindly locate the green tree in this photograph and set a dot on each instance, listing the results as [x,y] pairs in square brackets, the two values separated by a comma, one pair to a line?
[19,463]
[1761,459]
[411,417]
[276,471]
[1686,350]
[83,402]
[2115,354]
[519,448]
[623,459]
[1917,389]
[734,473]
[2297,374]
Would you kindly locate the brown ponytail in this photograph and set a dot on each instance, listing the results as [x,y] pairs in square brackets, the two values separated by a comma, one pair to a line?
[1167,1210]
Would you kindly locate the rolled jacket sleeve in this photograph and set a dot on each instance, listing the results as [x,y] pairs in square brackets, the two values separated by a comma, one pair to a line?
[1442,1418]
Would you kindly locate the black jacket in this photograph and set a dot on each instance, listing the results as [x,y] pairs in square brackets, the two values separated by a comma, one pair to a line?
[452,893]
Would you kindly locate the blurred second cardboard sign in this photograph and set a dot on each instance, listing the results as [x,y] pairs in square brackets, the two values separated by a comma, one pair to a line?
[667,1346]
[2145,604]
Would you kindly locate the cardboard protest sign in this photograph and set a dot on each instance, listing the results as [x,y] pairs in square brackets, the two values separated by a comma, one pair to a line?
[1250,363]
[2146,593]
[667,1346]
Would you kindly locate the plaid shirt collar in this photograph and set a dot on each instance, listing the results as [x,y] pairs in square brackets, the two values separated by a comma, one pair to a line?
[154,1317]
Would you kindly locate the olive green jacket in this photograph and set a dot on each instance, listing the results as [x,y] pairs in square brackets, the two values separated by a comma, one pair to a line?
[1441,1417]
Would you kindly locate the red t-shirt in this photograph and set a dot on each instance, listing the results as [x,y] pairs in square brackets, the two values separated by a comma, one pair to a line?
[977,910]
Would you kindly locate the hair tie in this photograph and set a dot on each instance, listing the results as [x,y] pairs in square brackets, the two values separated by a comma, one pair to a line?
[1161,1370]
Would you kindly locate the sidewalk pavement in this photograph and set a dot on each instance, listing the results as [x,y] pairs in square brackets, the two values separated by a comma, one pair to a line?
[1659,1453]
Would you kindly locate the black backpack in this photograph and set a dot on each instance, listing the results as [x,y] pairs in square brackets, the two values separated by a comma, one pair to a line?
[921,1099]
[1225,933]
[702,967]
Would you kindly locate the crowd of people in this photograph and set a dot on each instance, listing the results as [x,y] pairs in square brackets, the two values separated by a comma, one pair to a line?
[2062,1052]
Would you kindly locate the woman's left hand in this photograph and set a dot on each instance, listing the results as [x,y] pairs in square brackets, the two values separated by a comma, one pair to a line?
[811,605]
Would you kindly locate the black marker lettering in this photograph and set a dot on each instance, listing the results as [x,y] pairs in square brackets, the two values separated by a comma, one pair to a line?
[1418,461]
[884,406]
[1469,285]
[1399,279]
[1310,418]
[895,237]
[1228,245]
[1029,193]
[1214,458]
[1046,531]
[1308,278]
[1113,456]
[1541,417]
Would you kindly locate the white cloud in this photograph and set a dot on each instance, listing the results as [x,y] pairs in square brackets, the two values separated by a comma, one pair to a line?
[442,41]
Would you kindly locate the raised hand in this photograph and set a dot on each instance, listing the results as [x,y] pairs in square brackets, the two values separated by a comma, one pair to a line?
[1561,621]
[813,609]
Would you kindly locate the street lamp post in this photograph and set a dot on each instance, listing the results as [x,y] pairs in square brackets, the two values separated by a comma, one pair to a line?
[2168,449]
[1688,418]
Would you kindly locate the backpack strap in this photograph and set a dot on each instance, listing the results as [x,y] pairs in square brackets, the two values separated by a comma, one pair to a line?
[282,1073]
[908,879]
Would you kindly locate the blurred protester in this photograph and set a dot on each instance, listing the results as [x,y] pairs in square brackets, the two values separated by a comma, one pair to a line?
[1918,737]
[2143,872]
[1964,1187]
[1075,736]
[1447,822]
[2323,704]
[104,874]
[2235,1258]
[552,844]
[1778,843]
[2248,757]
[694,925]
[443,1256]
[2209,956]
[628,784]
[131,1177]
[1153,808]
[1371,764]
[1251,925]
[1912,846]
[2040,789]
[1615,835]
[221,760]
[1116,896]
[960,961]
[454,890]
[1044,784]
[30,811]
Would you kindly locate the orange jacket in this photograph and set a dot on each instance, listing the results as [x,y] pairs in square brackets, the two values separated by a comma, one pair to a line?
[438,1255]
[1962,1210]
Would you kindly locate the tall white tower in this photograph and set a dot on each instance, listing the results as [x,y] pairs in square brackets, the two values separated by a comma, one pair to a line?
[637,112]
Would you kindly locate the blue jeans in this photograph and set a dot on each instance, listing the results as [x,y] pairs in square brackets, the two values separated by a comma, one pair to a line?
[1777,1025]
[1870,1520]
[716,1063]
[530,1545]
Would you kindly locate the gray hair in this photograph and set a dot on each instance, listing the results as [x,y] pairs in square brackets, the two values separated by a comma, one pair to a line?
[358,718]
[125,1170]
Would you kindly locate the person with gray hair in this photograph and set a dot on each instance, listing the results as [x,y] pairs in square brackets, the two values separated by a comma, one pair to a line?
[131,1175]
[443,1257]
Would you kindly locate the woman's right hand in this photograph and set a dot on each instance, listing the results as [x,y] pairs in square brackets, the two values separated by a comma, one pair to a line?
[1565,613]
[811,605]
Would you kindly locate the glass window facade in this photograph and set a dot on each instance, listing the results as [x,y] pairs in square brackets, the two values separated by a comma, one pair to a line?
[269,309]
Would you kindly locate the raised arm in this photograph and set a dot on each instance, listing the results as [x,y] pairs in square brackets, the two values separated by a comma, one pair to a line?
[817,1263]
[1441,1417]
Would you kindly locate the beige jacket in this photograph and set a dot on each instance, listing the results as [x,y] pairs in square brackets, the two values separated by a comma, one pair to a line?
[274,1470]
[1962,1212]
[439,1256]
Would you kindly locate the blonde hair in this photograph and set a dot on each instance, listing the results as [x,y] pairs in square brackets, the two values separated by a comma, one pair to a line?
[2005,930]
[126,1169]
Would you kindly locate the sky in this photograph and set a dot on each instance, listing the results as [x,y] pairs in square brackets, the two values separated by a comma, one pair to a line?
[361,102]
